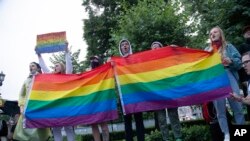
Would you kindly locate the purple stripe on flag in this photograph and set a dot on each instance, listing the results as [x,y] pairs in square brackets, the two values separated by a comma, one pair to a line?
[72,121]
[189,100]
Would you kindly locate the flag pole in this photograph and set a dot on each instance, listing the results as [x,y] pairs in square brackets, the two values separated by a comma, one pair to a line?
[118,86]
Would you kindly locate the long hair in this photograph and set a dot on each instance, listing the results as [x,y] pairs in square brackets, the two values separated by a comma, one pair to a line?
[63,68]
[38,67]
[222,38]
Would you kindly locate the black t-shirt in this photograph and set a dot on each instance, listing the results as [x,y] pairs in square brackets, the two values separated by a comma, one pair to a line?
[4,128]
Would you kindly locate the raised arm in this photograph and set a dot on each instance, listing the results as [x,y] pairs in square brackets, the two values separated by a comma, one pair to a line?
[69,66]
[44,67]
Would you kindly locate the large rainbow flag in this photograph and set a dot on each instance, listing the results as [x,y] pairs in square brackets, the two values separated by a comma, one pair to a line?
[62,100]
[51,42]
[169,77]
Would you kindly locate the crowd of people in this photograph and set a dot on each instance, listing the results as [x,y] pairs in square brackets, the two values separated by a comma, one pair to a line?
[232,59]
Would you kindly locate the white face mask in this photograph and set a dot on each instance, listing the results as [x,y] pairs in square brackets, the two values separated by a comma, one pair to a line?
[33,72]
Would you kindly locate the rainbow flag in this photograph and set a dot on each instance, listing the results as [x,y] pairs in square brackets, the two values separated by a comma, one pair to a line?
[170,77]
[74,99]
[51,42]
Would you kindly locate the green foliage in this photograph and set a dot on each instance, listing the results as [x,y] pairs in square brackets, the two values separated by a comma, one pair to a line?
[230,15]
[148,21]
[190,133]
[143,21]
[78,66]
[4,117]
[154,136]
[196,130]
[102,19]
[196,133]
[96,34]
[189,123]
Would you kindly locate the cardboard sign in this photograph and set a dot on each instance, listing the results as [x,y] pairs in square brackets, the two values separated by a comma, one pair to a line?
[51,42]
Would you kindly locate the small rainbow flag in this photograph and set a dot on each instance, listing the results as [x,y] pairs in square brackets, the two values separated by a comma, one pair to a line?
[170,77]
[51,42]
[68,100]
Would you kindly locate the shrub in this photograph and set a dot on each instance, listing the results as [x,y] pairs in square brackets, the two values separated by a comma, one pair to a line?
[196,133]
[190,133]
[153,136]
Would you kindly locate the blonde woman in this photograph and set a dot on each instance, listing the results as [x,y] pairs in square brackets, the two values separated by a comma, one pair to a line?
[231,60]
[60,68]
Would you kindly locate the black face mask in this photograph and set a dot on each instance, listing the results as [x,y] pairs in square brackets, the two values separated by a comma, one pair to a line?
[94,64]
[248,40]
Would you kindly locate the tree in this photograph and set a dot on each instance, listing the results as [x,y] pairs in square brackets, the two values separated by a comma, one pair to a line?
[151,20]
[78,66]
[230,15]
[102,19]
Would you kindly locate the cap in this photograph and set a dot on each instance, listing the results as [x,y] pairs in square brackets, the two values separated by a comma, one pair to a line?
[94,57]
[157,42]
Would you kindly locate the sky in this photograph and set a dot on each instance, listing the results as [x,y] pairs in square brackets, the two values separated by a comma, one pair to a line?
[20,22]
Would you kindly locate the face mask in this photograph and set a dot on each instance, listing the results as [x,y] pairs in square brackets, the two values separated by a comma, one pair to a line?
[33,72]
[94,64]
[248,40]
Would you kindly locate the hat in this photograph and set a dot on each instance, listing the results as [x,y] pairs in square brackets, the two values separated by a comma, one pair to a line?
[94,57]
[245,29]
[156,42]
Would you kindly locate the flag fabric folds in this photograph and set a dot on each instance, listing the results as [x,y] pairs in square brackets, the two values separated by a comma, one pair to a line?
[150,80]
[169,77]
[67,100]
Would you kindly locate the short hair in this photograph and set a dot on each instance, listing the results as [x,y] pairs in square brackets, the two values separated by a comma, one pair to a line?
[246,53]
[245,29]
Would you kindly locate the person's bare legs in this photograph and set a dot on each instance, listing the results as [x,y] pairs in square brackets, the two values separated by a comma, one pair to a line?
[105,131]
[96,132]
